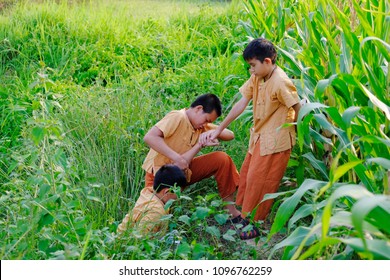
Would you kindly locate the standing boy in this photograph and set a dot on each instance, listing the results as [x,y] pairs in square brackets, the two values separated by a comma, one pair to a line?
[149,207]
[178,137]
[275,102]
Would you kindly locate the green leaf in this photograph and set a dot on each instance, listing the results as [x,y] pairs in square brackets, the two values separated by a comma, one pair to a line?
[294,239]
[221,218]
[183,250]
[198,251]
[166,217]
[287,207]
[37,134]
[364,206]
[380,248]
[306,109]
[304,211]
[202,212]
[342,169]
[349,114]
[213,230]
[46,219]
[94,198]
[350,190]
[317,164]
[335,116]
[229,235]
[185,219]
[168,204]
[385,163]
[43,189]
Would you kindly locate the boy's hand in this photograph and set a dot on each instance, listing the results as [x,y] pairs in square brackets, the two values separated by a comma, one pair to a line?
[211,143]
[214,134]
[206,141]
[181,162]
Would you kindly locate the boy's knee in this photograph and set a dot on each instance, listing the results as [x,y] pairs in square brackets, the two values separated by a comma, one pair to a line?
[222,157]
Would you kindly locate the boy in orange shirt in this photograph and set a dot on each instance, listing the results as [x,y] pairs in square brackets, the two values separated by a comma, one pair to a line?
[150,206]
[275,102]
[179,136]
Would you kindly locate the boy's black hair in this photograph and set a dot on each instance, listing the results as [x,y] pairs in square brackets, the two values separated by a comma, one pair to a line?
[260,49]
[167,176]
[210,102]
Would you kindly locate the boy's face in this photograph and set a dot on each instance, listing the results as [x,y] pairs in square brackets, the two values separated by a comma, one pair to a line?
[260,69]
[167,194]
[199,119]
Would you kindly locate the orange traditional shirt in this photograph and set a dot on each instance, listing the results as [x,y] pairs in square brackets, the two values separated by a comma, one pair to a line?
[179,135]
[272,107]
[146,214]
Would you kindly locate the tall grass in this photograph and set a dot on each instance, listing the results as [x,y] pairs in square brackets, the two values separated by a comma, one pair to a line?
[338,55]
[81,83]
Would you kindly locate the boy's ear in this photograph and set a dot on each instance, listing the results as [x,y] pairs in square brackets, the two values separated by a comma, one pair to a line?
[268,60]
[199,108]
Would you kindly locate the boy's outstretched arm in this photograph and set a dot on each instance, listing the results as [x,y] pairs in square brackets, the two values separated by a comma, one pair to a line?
[296,108]
[155,139]
[237,109]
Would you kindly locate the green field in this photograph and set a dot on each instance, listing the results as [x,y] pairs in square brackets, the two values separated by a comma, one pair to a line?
[81,82]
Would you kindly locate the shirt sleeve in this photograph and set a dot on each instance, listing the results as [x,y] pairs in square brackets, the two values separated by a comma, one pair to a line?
[247,89]
[169,123]
[287,93]
[209,126]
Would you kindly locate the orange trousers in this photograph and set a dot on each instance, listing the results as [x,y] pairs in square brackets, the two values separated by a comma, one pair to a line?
[260,175]
[217,164]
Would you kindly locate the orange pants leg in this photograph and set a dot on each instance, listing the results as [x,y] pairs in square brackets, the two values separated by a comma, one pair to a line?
[260,175]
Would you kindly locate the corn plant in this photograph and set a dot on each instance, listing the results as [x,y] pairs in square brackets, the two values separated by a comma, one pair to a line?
[337,54]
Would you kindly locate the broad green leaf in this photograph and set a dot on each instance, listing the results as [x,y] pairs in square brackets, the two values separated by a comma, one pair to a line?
[275,195]
[349,114]
[317,247]
[294,239]
[385,109]
[304,211]
[375,140]
[229,235]
[183,250]
[221,218]
[166,217]
[350,190]
[308,108]
[317,164]
[288,206]
[344,219]
[319,138]
[364,206]
[37,134]
[185,219]
[43,189]
[380,248]
[202,212]
[385,163]
[335,116]
[342,169]
[198,251]
[168,204]
[213,230]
